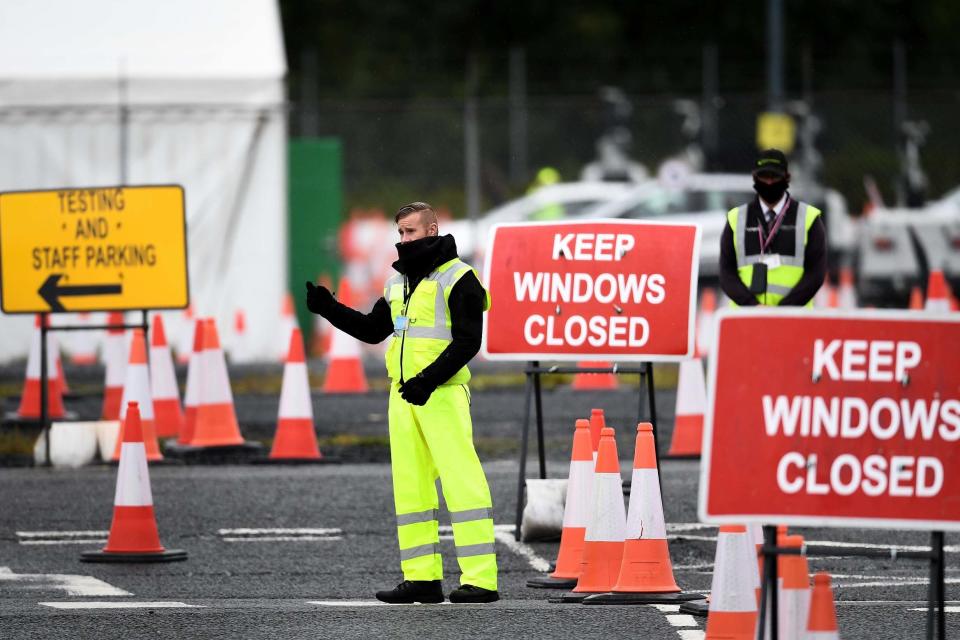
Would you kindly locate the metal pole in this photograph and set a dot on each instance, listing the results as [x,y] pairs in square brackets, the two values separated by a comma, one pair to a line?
[145,323]
[309,96]
[471,143]
[775,37]
[539,406]
[653,417]
[44,396]
[518,116]
[768,588]
[521,477]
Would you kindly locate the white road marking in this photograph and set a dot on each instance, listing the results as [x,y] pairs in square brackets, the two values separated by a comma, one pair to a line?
[74,585]
[62,537]
[666,608]
[299,531]
[282,538]
[945,609]
[682,620]
[691,634]
[909,582]
[507,539]
[120,605]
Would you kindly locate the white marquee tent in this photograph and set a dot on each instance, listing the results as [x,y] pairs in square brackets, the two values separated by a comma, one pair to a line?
[202,84]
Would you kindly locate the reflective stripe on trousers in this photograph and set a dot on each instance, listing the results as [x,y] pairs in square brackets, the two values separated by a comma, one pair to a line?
[430,442]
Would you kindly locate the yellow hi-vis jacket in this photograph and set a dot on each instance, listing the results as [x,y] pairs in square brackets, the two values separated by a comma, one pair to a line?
[428,327]
[782,279]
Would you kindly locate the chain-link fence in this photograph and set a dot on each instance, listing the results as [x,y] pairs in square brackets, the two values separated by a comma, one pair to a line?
[400,150]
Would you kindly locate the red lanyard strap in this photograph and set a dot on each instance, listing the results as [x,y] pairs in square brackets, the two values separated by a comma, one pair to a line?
[765,243]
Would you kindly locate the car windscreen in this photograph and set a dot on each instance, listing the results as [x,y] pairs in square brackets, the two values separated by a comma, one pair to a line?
[667,202]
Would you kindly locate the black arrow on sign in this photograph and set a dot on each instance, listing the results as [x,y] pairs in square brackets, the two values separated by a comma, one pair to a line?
[51,291]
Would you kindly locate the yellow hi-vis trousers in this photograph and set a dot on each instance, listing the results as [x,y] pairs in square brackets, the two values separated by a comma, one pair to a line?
[436,440]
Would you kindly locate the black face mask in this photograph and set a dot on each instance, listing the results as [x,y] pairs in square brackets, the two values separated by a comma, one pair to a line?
[771,193]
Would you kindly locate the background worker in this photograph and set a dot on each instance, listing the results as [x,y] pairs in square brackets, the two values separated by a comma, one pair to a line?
[434,308]
[773,249]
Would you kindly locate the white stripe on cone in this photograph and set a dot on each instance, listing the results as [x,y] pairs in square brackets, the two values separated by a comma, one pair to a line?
[576,511]
[214,384]
[163,379]
[691,389]
[645,516]
[794,607]
[33,359]
[609,521]
[732,587]
[295,393]
[133,481]
[136,388]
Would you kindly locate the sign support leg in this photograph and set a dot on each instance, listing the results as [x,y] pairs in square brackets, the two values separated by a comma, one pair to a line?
[539,407]
[521,476]
[44,395]
[145,322]
[768,586]
[936,615]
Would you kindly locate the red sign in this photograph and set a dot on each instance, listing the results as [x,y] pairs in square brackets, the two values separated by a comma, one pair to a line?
[830,418]
[597,289]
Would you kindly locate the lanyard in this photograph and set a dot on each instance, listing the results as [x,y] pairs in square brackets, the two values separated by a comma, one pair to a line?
[765,243]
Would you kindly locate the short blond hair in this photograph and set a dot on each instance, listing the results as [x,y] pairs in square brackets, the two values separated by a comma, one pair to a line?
[427,215]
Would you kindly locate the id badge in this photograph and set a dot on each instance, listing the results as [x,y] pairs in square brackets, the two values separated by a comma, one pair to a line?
[772,261]
[400,324]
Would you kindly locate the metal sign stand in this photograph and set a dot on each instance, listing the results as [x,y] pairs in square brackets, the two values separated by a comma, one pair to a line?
[533,372]
[44,374]
[936,595]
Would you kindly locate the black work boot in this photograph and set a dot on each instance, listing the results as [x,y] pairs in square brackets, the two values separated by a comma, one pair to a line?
[412,591]
[470,593]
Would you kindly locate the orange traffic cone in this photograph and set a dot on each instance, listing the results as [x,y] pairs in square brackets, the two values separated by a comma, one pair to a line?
[295,438]
[708,306]
[216,422]
[597,424]
[115,359]
[344,367]
[193,383]
[938,293]
[30,399]
[825,294]
[847,293]
[185,337]
[822,622]
[595,381]
[794,597]
[916,299]
[136,388]
[576,512]
[322,329]
[83,344]
[133,532]
[733,606]
[607,527]
[288,320]
[691,406]
[646,573]
[163,384]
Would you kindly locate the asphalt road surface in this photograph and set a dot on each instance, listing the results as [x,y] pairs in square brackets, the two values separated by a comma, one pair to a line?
[298,551]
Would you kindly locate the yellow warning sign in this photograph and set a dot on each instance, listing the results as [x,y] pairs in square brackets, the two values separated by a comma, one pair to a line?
[776,131]
[93,249]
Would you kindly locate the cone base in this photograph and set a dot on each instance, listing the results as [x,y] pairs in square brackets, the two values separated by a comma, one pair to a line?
[168,555]
[546,582]
[680,456]
[227,454]
[641,598]
[698,608]
[570,598]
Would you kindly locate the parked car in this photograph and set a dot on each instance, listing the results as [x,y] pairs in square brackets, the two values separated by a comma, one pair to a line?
[551,202]
[898,247]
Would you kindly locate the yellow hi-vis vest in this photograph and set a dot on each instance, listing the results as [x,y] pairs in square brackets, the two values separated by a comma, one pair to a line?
[428,329]
[780,280]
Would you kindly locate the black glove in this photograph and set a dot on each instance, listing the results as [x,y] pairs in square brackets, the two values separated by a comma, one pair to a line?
[417,390]
[319,298]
